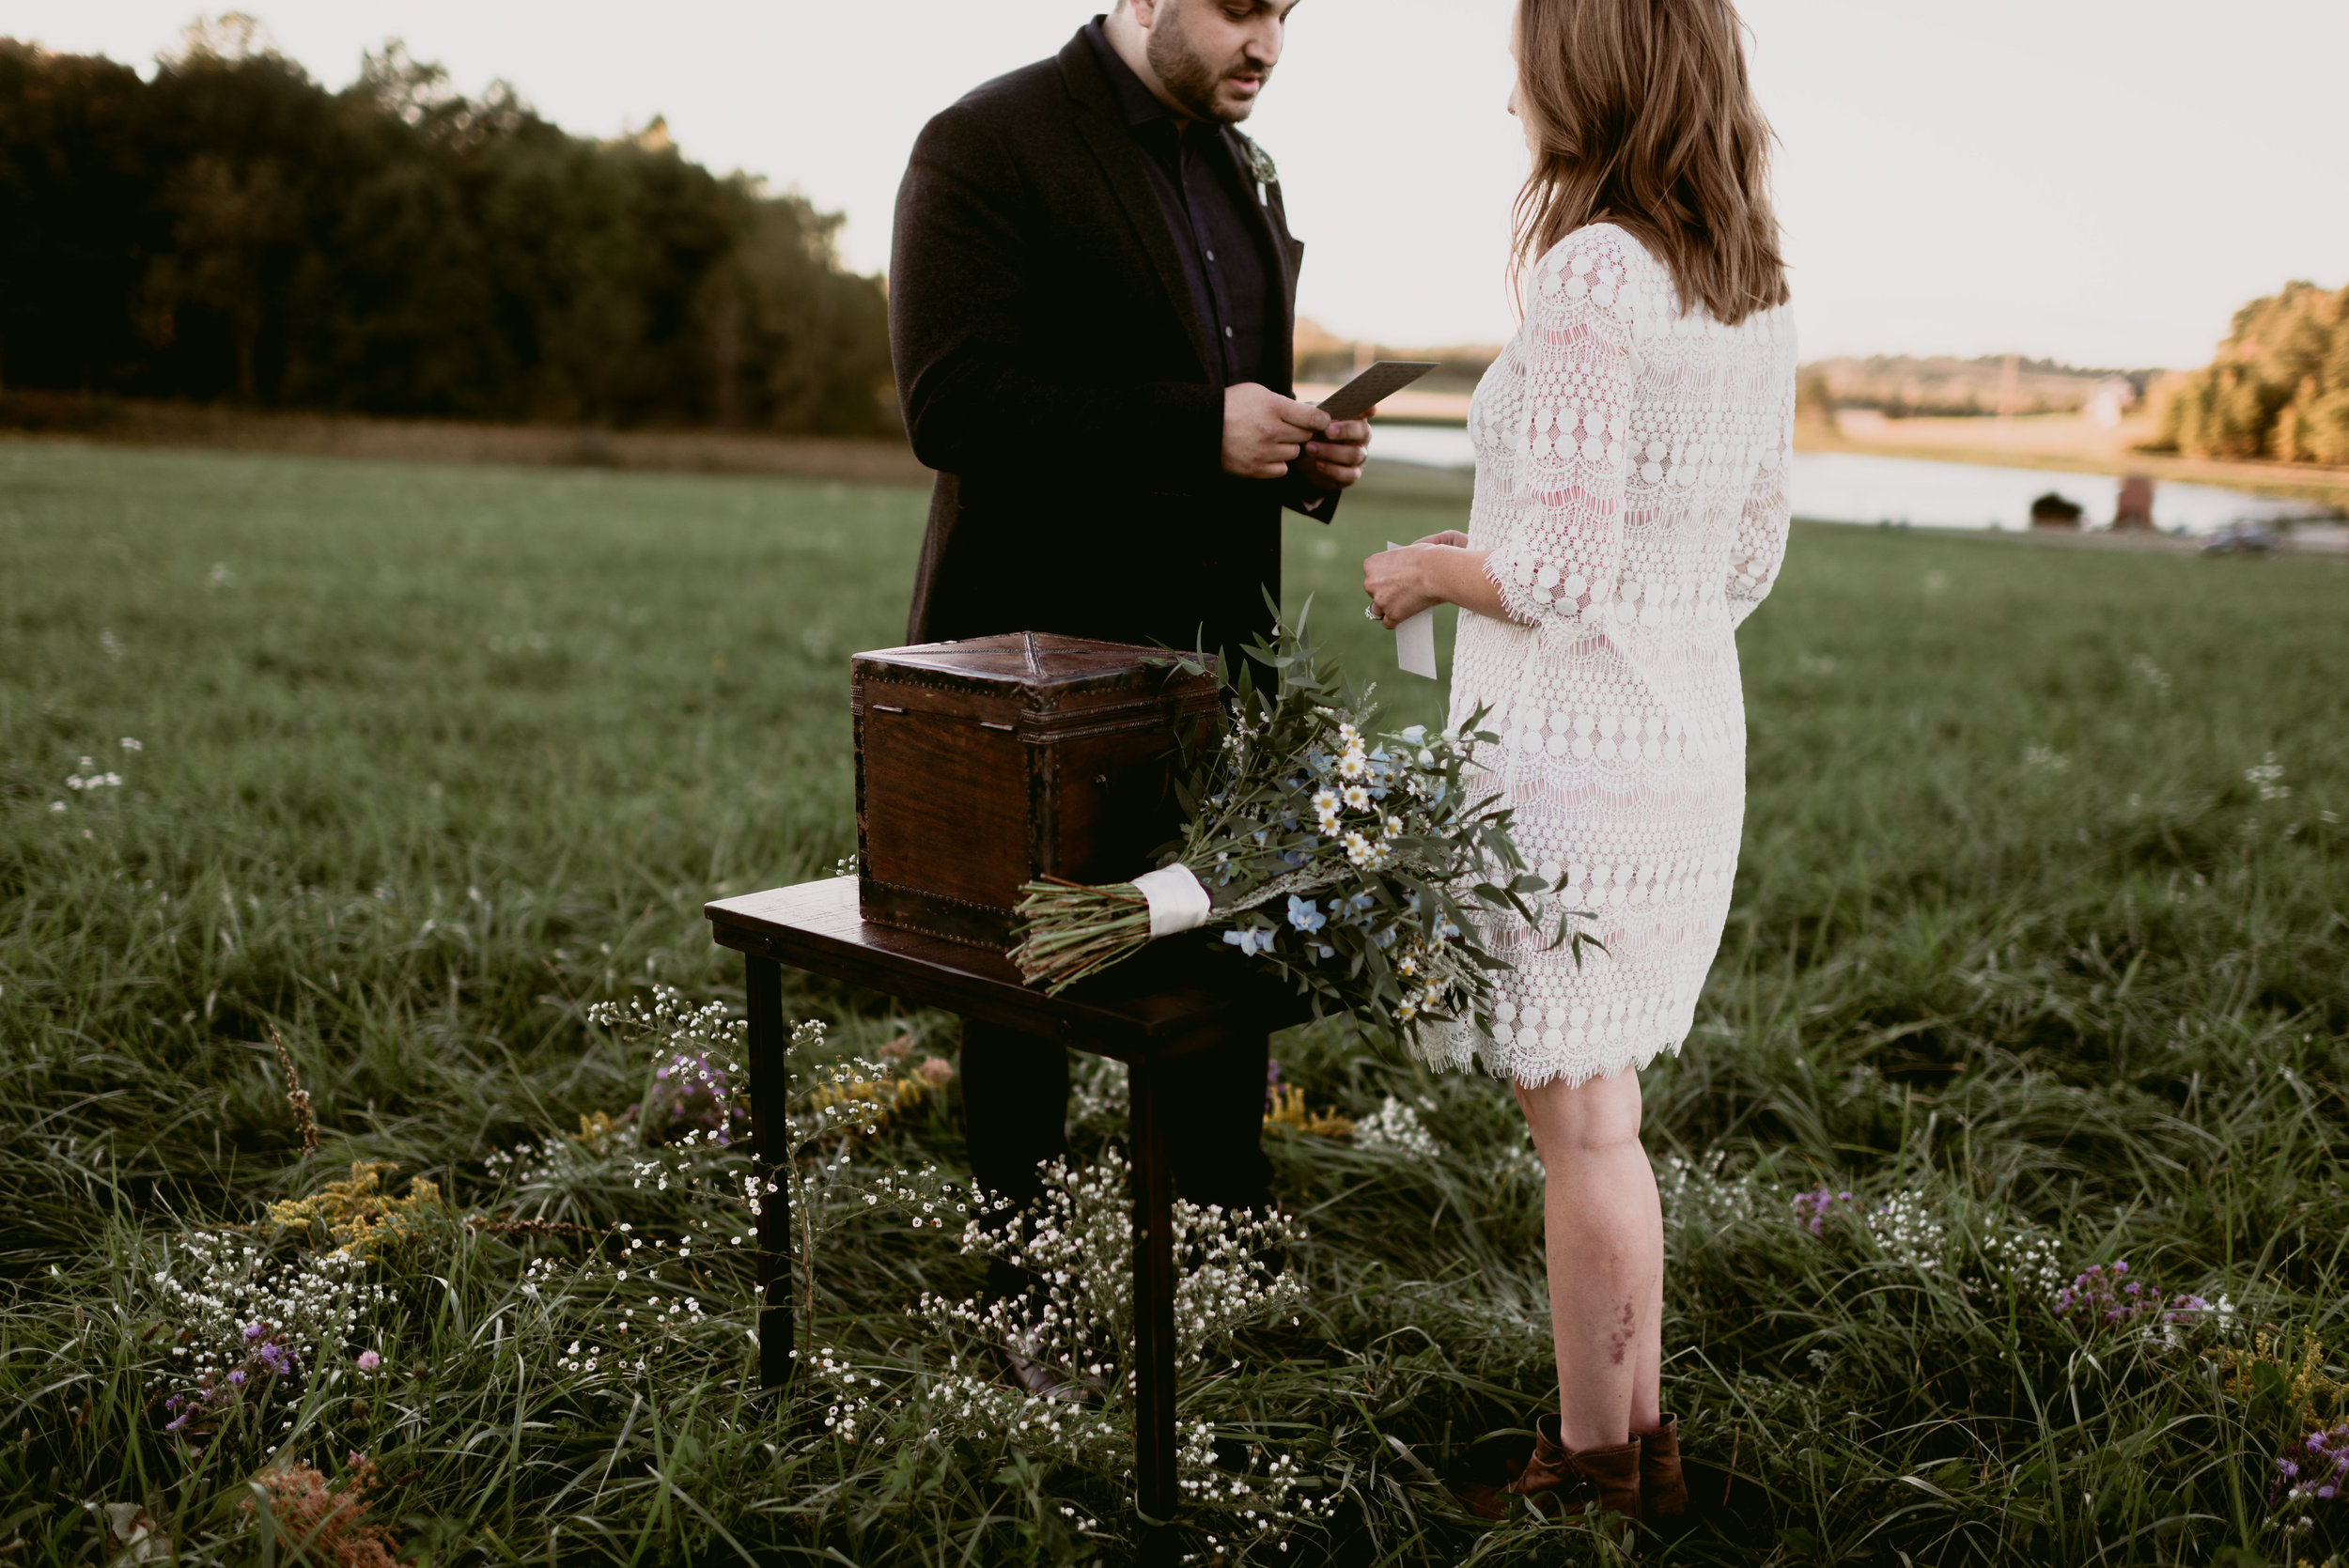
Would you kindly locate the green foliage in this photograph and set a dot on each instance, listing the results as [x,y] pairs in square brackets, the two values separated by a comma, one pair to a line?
[2279,387]
[2037,951]
[233,229]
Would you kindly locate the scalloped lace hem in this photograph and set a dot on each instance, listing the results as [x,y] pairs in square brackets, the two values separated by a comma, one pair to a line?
[1463,1046]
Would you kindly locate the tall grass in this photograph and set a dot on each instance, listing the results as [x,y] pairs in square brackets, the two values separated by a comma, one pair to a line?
[2038,952]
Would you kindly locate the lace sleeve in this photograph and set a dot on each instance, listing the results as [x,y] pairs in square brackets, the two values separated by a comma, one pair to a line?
[1761,527]
[1572,460]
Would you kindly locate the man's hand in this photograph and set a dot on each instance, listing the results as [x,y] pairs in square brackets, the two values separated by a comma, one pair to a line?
[1264,432]
[1335,461]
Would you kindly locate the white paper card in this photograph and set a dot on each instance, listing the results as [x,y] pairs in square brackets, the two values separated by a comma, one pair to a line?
[1415,640]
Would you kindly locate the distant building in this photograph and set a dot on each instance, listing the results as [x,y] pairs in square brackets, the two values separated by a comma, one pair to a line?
[2136,511]
[2052,511]
[2113,397]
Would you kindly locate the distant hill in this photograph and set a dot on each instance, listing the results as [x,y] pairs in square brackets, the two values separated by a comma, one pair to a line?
[1324,358]
[1905,386]
[1901,386]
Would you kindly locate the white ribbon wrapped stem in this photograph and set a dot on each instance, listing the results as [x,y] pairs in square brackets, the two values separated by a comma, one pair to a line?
[1177,901]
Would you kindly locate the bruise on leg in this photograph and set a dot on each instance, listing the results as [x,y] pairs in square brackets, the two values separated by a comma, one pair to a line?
[1626,1330]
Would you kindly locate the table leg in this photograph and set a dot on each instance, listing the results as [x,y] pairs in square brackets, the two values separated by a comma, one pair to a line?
[771,1156]
[1154,1296]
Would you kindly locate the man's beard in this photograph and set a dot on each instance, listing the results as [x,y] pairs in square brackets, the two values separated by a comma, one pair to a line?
[1188,77]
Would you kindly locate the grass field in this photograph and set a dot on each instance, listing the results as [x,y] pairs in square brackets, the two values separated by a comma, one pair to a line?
[2038,955]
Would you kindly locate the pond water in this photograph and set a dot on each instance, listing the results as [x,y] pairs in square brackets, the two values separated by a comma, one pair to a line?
[1851,487]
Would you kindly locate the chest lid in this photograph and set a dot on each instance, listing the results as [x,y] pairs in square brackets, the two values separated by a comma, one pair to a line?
[1039,681]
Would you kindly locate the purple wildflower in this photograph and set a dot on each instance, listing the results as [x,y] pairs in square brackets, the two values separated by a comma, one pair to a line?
[1813,1208]
[2318,1480]
[2105,1295]
[236,1378]
[697,1093]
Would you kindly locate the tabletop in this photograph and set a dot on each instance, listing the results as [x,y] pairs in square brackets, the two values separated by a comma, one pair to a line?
[1176,994]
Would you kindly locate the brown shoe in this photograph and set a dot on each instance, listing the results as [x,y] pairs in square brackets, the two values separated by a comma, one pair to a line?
[1663,1493]
[1562,1484]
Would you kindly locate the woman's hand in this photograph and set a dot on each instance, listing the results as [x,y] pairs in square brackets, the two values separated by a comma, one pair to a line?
[1439,570]
[1400,584]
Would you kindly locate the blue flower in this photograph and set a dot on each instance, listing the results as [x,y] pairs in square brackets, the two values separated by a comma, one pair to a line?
[1291,857]
[1304,916]
[1323,950]
[1359,904]
[1254,940]
[1416,734]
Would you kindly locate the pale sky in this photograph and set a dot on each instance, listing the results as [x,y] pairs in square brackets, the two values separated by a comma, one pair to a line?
[2103,182]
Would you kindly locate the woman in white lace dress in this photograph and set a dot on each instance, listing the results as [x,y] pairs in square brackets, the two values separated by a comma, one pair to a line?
[1630,511]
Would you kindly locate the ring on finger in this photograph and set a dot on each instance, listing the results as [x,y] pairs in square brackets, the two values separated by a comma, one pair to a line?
[1370,612]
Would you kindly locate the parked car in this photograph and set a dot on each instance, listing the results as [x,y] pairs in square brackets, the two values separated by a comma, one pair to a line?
[2243,538]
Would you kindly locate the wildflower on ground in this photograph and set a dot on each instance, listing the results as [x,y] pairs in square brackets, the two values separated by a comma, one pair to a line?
[93,779]
[249,1323]
[2105,1295]
[2027,1258]
[1077,1243]
[359,1217]
[2316,1469]
[1812,1208]
[1905,1226]
[1287,1111]
[320,1523]
[2267,778]
[1395,1128]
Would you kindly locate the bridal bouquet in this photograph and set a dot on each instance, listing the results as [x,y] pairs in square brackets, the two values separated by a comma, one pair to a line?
[1337,854]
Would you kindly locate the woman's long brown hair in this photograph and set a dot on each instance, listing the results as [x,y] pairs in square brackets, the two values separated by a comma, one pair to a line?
[1641,115]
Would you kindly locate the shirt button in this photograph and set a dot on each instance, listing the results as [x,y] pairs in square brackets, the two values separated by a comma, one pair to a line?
[1227,332]
[1211,255]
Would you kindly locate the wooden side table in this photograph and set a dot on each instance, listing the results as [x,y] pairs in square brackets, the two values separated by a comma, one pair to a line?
[1176,997]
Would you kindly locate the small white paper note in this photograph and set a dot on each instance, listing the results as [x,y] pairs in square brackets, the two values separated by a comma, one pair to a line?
[1415,640]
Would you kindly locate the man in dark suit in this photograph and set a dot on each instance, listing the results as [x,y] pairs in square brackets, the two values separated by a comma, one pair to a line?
[1092,302]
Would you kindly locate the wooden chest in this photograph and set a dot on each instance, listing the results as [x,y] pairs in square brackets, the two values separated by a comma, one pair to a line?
[984,764]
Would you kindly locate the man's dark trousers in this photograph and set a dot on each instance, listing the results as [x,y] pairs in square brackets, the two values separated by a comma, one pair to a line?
[1054,319]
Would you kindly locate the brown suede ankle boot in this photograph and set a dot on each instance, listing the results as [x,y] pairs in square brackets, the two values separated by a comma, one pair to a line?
[1560,1483]
[1663,1495]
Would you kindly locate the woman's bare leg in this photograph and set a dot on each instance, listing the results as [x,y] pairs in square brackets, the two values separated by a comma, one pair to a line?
[1604,1235]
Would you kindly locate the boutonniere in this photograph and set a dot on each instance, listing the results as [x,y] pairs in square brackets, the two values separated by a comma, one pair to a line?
[1260,164]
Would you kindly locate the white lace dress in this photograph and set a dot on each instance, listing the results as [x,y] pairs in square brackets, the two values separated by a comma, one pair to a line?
[1631,467]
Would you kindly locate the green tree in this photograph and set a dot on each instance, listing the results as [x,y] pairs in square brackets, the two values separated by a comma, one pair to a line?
[233,228]
[2278,387]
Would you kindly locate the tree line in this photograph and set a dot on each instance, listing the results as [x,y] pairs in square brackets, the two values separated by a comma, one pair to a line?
[2279,387]
[231,229]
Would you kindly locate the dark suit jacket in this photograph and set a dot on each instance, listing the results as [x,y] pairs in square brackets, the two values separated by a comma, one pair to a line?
[1054,373]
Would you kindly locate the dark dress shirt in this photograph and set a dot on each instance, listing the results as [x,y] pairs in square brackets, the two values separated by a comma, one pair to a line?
[1222,247]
